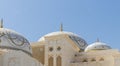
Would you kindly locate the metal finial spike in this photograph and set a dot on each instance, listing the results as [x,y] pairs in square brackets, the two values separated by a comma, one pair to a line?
[1,23]
[97,40]
[61,27]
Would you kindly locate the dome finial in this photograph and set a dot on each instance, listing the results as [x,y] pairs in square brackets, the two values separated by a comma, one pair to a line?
[97,40]
[1,23]
[61,27]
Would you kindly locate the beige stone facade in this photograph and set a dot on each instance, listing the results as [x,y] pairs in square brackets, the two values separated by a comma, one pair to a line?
[64,49]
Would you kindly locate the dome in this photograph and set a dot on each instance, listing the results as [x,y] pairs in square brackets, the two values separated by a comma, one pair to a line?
[97,46]
[10,39]
[81,43]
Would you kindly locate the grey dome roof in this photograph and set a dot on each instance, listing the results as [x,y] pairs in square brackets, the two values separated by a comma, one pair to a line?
[81,43]
[97,46]
[10,39]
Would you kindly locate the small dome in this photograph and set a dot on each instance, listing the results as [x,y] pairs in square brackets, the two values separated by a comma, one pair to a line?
[81,43]
[10,39]
[97,46]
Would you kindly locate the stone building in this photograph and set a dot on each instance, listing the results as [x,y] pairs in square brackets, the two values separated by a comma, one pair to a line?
[59,48]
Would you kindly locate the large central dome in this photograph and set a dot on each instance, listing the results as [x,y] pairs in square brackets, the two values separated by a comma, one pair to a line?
[81,43]
[10,39]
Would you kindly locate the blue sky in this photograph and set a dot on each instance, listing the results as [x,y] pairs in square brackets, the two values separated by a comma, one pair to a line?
[90,19]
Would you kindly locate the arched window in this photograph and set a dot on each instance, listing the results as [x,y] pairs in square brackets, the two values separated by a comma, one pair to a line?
[50,48]
[101,59]
[59,61]
[50,61]
[85,60]
[93,59]
[58,48]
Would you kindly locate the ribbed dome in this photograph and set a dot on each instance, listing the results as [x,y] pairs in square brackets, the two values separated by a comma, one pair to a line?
[10,39]
[79,41]
[97,46]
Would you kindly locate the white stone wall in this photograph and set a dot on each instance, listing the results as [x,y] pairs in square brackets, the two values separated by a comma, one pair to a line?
[1,60]
[67,51]
[107,62]
[18,58]
[111,58]
[117,60]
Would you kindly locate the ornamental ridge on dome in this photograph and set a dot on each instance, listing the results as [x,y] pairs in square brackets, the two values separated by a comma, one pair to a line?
[1,23]
[61,27]
[97,40]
